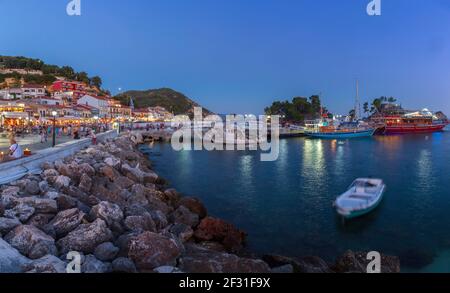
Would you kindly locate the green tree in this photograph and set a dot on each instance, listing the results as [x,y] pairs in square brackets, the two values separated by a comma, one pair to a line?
[96,81]
[366,107]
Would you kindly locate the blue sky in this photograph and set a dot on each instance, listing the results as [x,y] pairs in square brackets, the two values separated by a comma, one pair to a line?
[240,55]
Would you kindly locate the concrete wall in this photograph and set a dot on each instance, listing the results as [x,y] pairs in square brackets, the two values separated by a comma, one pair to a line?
[15,170]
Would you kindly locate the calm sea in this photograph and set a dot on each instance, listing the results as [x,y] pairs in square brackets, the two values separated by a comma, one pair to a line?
[286,206]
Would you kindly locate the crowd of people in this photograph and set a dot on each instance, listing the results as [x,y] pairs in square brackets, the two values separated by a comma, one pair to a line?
[45,133]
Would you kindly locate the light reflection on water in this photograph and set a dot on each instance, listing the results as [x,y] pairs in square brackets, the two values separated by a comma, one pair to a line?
[286,206]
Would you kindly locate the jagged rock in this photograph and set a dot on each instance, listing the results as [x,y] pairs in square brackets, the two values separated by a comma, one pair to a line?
[150,250]
[357,262]
[91,265]
[109,172]
[41,205]
[43,187]
[194,205]
[31,242]
[286,269]
[86,237]
[124,265]
[107,211]
[66,202]
[200,260]
[124,182]
[62,182]
[66,221]
[40,220]
[182,231]
[308,264]
[140,223]
[7,225]
[48,264]
[112,162]
[85,183]
[106,251]
[21,211]
[86,169]
[172,196]
[160,219]
[52,195]
[221,231]
[11,261]
[9,197]
[50,175]
[137,175]
[32,187]
[183,215]
[167,270]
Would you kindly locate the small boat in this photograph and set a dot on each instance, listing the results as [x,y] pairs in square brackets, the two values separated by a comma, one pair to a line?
[363,196]
[342,133]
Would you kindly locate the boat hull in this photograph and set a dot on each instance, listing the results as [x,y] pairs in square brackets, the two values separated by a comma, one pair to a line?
[341,135]
[362,212]
[405,129]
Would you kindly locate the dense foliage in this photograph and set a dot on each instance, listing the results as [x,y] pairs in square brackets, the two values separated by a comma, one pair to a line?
[298,110]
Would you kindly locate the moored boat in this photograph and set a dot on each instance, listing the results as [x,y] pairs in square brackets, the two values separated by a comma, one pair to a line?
[362,197]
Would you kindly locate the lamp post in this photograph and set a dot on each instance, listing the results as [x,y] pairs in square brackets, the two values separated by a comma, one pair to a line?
[54,113]
[96,123]
[3,118]
[118,123]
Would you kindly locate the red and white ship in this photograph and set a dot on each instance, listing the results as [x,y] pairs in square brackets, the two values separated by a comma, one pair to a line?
[416,122]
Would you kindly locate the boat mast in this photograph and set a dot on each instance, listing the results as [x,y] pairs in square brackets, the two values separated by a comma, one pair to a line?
[357,103]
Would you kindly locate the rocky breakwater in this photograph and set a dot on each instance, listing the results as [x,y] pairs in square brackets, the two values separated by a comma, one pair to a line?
[107,204]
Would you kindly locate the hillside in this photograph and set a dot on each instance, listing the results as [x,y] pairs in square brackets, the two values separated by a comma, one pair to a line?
[172,100]
[27,70]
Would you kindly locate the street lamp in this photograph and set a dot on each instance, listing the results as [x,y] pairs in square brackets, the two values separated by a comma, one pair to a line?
[54,113]
[3,118]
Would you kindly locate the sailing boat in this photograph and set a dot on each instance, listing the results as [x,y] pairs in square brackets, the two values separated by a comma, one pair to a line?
[357,128]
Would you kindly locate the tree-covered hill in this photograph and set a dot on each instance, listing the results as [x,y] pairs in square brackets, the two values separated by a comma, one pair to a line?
[172,100]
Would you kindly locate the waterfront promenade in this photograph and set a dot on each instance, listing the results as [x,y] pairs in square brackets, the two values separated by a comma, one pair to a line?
[32,142]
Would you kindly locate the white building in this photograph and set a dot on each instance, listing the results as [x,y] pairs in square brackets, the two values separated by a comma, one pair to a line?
[99,103]
[33,91]
[15,93]
[49,101]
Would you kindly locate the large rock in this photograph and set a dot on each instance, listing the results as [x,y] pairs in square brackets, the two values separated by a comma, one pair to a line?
[150,250]
[112,162]
[200,260]
[194,205]
[107,211]
[7,225]
[91,265]
[21,211]
[66,221]
[32,187]
[86,237]
[9,197]
[357,262]
[140,223]
[183,215]
[31,242]
[310,264]
[85,183]
[137,175]
[218,230]
[124,265]
[182,231]
[106,251]
[41,205]
[11,261]
[62,182]
[48,264]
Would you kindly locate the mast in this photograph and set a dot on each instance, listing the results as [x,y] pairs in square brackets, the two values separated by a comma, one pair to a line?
[357,103]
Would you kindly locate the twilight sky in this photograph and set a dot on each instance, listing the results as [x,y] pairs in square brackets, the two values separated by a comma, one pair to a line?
[240,55]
